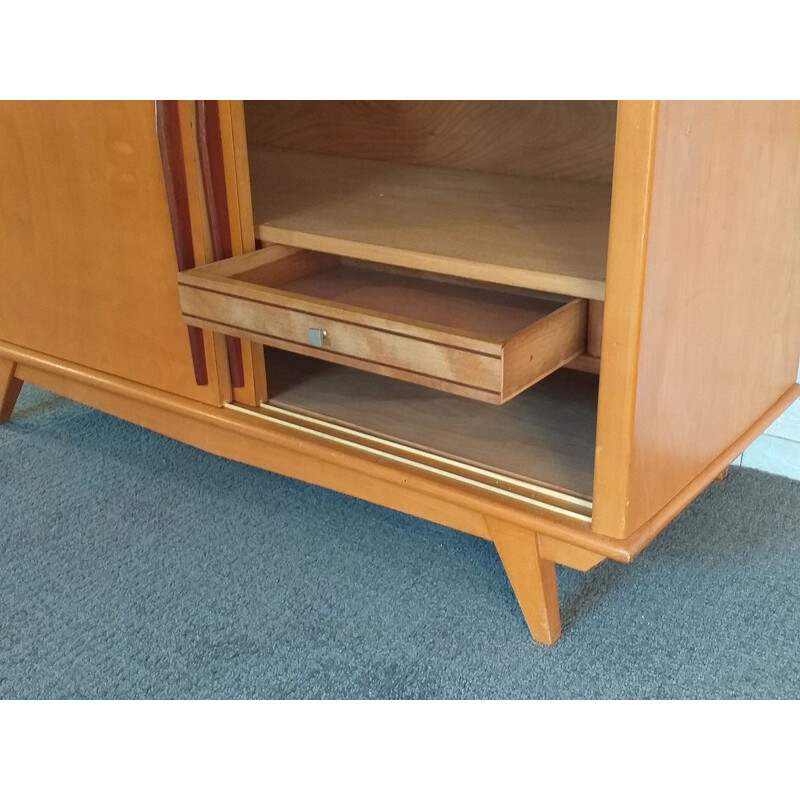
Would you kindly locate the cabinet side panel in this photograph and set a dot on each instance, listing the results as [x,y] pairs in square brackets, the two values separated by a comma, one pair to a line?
[625,276]
[88,269]
[720,330]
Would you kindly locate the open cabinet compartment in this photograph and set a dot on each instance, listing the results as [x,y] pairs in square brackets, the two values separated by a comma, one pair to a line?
[539,445]
[425,269]
[516,193]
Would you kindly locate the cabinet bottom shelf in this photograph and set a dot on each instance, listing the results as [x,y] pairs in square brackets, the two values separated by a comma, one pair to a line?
[545,436]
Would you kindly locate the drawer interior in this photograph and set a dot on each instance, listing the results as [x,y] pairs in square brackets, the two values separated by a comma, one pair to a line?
[477,340]
[423,299]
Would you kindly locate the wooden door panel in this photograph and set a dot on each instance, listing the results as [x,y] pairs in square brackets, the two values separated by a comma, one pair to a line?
[88,268]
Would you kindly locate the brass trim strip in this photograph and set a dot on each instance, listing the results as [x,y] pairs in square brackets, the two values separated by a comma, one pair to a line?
[268,413]
[466,466]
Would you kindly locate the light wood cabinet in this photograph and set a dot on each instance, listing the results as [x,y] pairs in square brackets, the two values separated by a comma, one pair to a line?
[549,324]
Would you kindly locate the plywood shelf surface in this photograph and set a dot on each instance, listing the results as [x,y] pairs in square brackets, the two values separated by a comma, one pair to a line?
[545,435]
[539,234]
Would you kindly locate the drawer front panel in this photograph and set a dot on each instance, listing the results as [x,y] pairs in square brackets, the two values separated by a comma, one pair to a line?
[375,349]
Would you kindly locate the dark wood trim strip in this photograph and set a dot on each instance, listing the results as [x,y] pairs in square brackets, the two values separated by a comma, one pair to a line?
[168,126]
[212,169]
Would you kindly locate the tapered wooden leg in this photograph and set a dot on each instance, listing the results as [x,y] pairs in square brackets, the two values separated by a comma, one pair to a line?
[9,389]
[533,580]
[724,474]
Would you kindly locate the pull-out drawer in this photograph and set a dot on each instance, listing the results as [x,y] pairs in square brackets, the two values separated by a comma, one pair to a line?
[472,339]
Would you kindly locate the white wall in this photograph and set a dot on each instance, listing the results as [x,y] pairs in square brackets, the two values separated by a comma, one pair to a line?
[778,449]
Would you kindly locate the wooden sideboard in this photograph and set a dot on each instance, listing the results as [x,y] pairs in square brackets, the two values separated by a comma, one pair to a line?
[550,324]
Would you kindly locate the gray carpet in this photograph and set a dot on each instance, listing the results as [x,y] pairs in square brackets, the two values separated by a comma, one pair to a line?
[133,566]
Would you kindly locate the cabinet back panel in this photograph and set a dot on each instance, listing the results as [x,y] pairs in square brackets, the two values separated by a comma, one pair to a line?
[567,139]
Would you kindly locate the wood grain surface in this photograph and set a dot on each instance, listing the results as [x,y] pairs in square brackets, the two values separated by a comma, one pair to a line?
[215,189]
[536,436]
[173,165]
[88,272]
[571,139]
[538,234]
[240,210]
[533,580]
[720,335]
[622,313]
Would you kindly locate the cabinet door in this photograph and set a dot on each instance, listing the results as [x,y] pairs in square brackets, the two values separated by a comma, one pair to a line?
[88,272]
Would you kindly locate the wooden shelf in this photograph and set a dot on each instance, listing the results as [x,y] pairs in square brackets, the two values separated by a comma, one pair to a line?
[545,435]
[538,234]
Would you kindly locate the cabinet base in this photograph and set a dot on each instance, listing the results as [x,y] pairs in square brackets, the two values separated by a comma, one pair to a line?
[529,542]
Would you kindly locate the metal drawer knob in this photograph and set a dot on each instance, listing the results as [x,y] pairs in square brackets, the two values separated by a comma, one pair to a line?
[317,336]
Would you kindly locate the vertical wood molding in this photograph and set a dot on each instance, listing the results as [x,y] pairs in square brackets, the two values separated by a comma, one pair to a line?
[172,162]
[233,113]
[237,171]
[240,206]
[212,169]
[627,253]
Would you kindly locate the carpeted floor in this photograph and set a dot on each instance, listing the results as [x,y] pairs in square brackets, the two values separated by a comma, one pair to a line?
[136,567]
